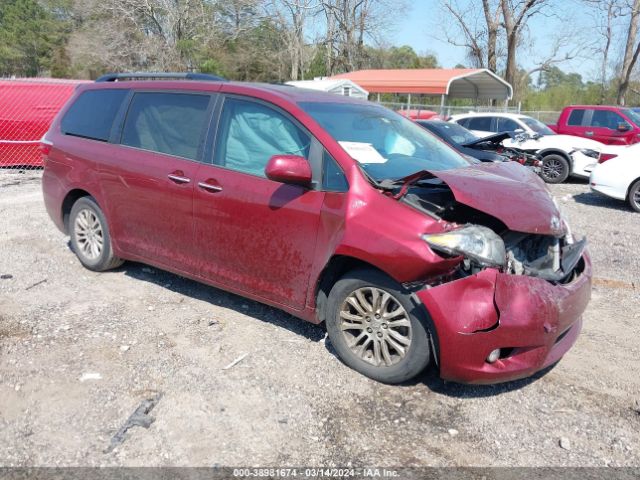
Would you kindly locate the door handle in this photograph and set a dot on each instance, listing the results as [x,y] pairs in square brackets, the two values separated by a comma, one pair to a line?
[178,178]
[209,187]
[589,134]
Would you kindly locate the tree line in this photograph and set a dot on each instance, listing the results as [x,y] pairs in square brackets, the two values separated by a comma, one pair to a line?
[259,40]
[280,40]
[495,33]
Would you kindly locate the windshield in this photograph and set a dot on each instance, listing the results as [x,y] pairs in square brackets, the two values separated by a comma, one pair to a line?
[451,132]
[385,144]
[633,115]
[537,126]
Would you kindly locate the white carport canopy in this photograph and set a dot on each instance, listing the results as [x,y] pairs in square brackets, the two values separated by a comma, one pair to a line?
[479,84]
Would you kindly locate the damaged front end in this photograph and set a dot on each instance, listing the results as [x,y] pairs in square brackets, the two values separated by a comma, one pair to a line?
[514,303]
[543,256]
[504,223]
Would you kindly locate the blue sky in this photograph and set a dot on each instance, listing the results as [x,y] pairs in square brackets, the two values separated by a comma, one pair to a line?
[422,29]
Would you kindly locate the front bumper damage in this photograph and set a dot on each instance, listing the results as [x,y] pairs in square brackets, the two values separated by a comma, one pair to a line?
[582,164]
[533,321]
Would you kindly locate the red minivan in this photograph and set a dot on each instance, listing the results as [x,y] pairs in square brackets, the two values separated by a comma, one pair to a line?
[333,209]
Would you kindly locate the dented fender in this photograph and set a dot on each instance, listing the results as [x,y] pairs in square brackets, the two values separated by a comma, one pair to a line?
[466,303]
[532,318]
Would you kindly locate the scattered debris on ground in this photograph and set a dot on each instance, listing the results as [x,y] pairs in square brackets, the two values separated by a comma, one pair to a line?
[236,361]
[139,418]
[33,285]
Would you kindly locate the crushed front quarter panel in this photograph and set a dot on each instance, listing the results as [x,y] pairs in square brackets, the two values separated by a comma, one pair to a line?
[537,322]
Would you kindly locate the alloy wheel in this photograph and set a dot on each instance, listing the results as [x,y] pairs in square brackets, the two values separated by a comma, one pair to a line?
[89,234]
[552,168]
[636,198]
[376,326]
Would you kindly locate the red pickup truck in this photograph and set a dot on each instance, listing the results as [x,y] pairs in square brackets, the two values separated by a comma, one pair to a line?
[609,125]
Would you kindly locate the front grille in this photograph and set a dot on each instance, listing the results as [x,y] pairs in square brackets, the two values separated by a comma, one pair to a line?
[543,256]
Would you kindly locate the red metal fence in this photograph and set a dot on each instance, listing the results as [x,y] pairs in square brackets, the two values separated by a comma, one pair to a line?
[27,107]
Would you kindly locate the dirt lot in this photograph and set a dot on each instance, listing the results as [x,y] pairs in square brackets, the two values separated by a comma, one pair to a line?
[80,351]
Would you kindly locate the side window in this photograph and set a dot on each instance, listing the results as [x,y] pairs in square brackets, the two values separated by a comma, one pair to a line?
[482,124]
[464,122]
[250,133]
[333,178]
[92,114]
[171,123]
[606,119]
[576,117]
[507,125]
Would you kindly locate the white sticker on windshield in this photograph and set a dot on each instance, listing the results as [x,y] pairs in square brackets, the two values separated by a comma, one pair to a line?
[363,152]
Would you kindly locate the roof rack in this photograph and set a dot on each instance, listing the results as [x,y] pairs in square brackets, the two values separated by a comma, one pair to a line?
[114,77]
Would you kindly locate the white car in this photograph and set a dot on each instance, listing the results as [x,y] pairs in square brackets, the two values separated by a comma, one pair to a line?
[619,176]
[562,155]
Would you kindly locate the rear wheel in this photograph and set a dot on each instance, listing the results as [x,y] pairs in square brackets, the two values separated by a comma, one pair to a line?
[90,237]
[555,169]
[375,327]
[634,196]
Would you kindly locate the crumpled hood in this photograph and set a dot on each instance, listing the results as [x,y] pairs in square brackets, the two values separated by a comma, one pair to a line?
[507,191]
[491,139]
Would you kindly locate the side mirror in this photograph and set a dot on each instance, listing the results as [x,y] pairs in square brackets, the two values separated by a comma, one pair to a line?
[518,131]
[290,169]
[623,127]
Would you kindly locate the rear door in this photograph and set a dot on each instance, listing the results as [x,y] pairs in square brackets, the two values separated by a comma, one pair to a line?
[577,123]
[481,126]
[251,233]
[149,183]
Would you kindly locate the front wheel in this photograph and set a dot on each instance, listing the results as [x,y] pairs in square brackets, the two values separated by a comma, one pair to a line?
[634,196]
[555,169]
[90,237]
[375,327]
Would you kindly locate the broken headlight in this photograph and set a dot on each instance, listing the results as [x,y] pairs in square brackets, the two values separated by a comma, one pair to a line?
[588,152]
[477,243]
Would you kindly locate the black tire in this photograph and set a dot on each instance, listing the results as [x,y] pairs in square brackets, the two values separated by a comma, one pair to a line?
[87,212]
[555,168]
[401,366]
[634,196]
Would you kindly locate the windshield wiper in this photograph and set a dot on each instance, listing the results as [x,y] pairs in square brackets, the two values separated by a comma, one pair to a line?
[373,181]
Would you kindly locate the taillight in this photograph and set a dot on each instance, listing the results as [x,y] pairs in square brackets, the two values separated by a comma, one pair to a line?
[606,156]
[45,147]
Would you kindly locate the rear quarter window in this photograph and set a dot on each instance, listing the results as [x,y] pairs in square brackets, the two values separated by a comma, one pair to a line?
[92,114]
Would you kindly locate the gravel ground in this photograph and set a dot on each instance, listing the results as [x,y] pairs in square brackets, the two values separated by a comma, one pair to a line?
[80,351]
